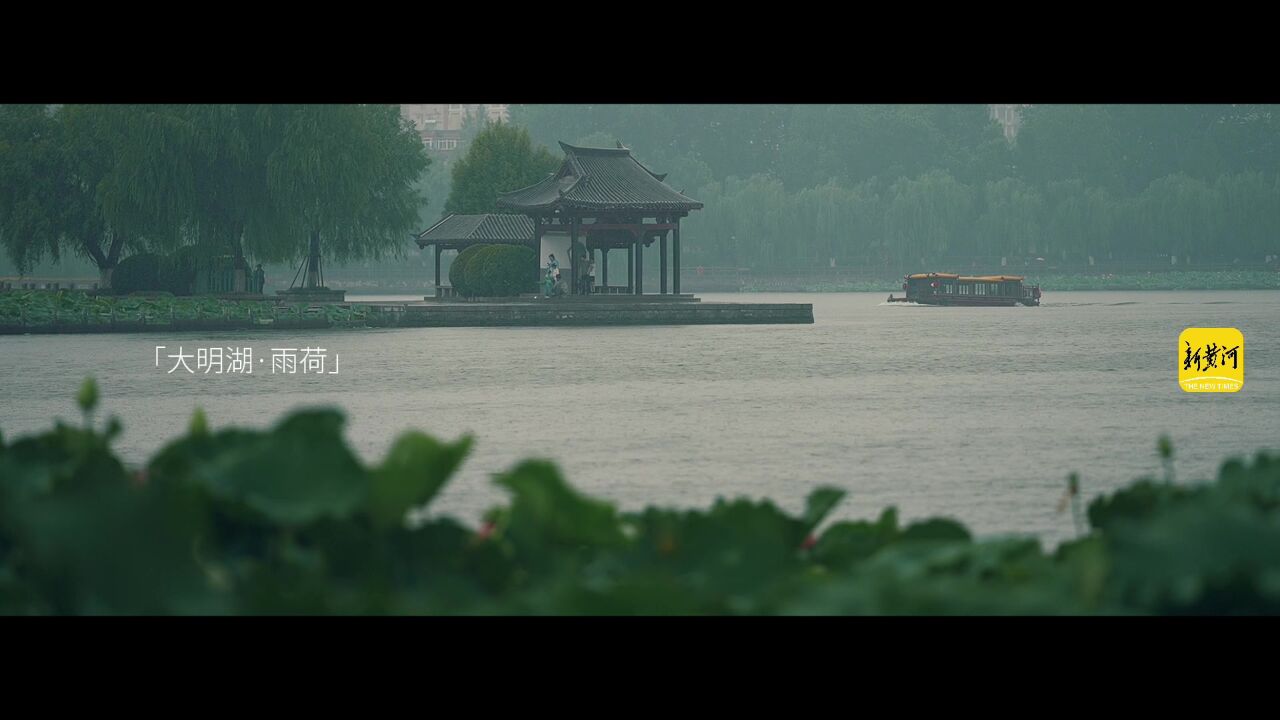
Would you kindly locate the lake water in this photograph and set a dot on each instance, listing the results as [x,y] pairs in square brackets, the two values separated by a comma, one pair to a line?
[973,413]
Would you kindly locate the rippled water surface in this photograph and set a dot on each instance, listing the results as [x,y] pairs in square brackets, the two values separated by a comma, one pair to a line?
[975,413]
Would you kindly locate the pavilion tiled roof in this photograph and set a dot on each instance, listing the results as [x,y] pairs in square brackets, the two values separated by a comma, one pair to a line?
[492,228]
[599,179]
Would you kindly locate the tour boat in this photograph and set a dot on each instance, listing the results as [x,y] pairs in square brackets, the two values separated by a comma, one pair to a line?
[983,290]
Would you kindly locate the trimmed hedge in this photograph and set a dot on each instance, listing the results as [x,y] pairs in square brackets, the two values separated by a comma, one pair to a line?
[476,274]
[457,271]
[479,273]
[503,271]
[494,271]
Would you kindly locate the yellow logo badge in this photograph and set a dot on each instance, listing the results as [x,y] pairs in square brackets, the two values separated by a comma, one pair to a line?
[1211,360]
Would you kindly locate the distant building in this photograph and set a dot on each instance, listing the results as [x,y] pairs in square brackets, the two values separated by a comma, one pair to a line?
[441,125]
[1010,117]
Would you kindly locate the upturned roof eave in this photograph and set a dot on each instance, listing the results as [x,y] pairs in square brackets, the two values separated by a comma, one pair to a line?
[560,197]
[437,224]
[481,227]
[563,204]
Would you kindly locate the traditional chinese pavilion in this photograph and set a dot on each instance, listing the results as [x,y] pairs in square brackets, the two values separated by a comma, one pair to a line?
[602,198]
[459,232]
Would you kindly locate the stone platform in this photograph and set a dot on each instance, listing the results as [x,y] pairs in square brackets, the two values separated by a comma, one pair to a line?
[561,312]
[569,313]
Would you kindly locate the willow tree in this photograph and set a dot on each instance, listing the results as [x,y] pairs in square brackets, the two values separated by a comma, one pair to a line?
[239,177]
[227,199]
[927,216]
[36,188]
[343,175]
[1011,221]
[230,204]
[69,180]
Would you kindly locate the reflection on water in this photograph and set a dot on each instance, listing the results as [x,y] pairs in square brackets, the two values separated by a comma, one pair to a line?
[975,413]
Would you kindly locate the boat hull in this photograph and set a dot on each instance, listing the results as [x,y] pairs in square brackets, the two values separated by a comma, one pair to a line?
[966,302]
[955,290]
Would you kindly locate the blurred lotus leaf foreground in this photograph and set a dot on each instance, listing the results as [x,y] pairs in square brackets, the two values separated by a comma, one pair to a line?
[289,521]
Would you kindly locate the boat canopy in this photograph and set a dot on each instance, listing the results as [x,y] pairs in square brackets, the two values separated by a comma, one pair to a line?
[965,278]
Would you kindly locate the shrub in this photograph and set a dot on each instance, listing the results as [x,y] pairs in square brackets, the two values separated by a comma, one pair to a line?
[137,273]
[501,271]
[476,276]
[457,271]
[518,267]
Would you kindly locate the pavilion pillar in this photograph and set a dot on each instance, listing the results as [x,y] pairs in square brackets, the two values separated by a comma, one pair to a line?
[640,265]
[537,251]
[675,258]
[604,268]
[591,258]
[631,269]
[662,264]
[437,247]
[573,256]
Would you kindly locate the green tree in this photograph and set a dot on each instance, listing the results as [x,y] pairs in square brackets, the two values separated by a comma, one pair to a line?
[1250,214]
[38,194]
[71,183]
[1179,215]
[188,171]
[927,216]
[1010,223]
[226,200]
[346,174]
[501,158]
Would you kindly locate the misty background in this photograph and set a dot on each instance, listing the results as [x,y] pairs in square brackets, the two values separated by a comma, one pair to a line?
[884,189]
